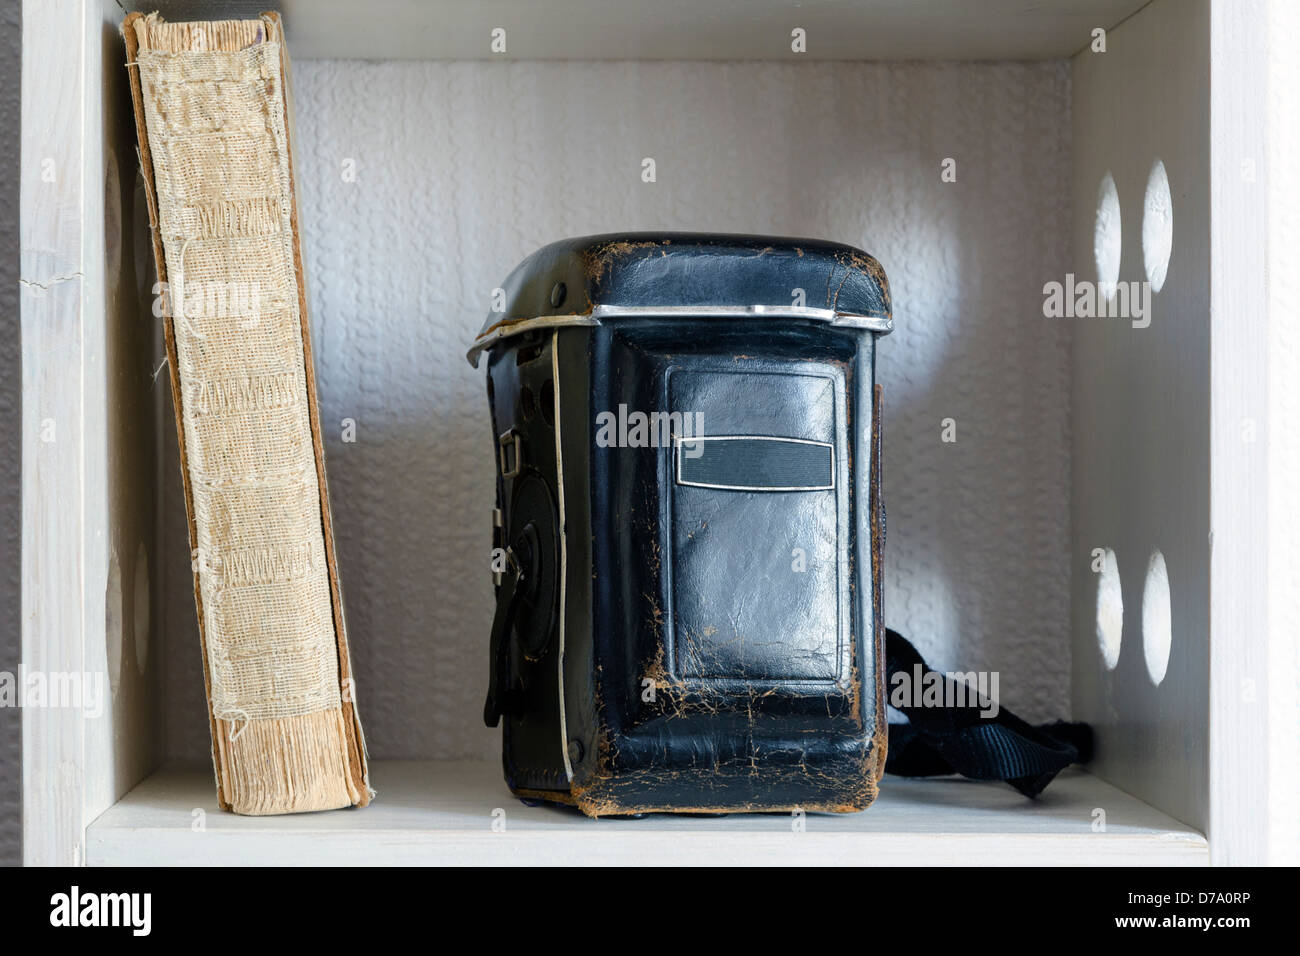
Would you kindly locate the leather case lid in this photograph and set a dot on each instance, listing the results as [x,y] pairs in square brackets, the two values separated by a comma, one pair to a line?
[582,281]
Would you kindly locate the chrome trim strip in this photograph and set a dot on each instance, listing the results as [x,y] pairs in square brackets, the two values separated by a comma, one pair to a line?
[679,440]
[744,311]
[526,325]
[871,323]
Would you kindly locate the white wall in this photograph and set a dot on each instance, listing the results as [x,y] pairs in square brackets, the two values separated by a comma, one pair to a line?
[464,168]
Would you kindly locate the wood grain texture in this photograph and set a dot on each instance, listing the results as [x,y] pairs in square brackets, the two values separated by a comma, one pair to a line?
[53,296]
[1240,417]
[444,813]
[88,490]
[1283,436]
[10,437]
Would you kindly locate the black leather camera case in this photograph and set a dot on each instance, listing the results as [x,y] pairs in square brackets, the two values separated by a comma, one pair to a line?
[688,531]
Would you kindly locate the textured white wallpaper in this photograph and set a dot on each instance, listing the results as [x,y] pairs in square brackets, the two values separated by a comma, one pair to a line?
[424,183]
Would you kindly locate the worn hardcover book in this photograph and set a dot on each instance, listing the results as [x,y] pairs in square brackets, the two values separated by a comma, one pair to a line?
[214,120]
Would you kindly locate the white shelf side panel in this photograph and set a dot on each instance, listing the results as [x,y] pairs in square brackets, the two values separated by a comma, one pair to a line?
[431,812]
[90,573]
[1283,437]
[1141,408]
[1242,505]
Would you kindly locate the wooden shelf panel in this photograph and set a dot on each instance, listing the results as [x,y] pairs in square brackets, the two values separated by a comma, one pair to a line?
[669,29]
[429,813]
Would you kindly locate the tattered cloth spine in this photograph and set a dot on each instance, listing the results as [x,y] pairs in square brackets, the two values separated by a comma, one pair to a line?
[214,105]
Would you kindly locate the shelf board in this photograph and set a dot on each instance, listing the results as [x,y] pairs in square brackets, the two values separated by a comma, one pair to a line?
[670,29]
[442,812]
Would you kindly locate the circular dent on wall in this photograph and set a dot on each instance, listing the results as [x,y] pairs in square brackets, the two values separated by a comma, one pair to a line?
[1157,622]
[1157,226]
[113,623]
[1106,244]
[140,607]
[1110,610]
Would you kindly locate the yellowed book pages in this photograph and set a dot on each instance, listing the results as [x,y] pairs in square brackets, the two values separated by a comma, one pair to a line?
[213,118]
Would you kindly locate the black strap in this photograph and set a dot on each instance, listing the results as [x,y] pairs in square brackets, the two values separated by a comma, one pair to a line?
[970,740]
[501,698]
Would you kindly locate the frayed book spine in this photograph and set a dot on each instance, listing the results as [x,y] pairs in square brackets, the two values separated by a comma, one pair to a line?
[212,116]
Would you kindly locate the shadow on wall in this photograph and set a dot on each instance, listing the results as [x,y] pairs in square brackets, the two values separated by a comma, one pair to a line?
[413,214]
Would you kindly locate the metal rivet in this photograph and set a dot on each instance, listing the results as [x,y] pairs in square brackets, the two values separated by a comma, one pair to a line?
[558,292]
[575,751]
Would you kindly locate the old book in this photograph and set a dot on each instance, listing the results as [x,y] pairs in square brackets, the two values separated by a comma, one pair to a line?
[214,121]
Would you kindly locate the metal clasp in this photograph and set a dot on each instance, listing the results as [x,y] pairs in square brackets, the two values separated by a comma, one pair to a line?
[511,453]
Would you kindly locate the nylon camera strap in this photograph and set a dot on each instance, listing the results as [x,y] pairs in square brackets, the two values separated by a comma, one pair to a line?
[979,740]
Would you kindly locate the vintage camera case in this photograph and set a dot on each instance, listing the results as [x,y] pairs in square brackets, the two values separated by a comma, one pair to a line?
[688,619]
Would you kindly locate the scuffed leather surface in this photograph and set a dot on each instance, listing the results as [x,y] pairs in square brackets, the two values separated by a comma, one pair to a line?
[740,610]
[717,737]
[705,671]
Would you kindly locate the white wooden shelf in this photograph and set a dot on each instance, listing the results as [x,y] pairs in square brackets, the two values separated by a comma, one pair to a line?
[1159,423]
[670,29]
[430,813]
